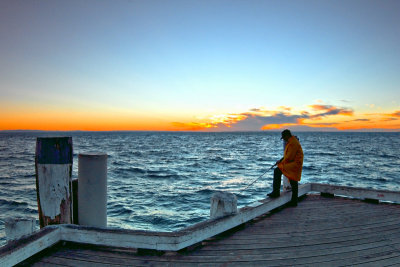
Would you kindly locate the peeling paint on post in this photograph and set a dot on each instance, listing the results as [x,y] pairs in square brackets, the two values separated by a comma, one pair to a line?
[53,164]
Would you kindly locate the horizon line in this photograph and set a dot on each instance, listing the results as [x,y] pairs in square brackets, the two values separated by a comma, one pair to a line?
[183,131]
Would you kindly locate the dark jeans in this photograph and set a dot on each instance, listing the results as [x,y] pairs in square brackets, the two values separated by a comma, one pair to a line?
[277,185]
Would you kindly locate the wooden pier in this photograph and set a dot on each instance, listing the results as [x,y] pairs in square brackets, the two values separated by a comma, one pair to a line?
[331,226]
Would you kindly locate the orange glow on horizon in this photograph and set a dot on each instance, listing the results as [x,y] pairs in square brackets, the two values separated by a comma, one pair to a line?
[79,120]
[277,126]
[328,117]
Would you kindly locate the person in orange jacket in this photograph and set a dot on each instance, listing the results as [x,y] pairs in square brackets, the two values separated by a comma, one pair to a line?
[290,165]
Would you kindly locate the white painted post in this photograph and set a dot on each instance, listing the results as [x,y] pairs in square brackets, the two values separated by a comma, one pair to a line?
[92,193]
[53,164]
[223,204]
[19,227]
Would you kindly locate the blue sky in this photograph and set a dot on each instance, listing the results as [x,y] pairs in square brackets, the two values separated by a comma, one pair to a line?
[150,64]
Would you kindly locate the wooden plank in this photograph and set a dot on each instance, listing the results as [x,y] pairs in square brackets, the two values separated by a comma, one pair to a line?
[262,253]
[202,231]
[260,239]
[250,234]
[23,248]
[288,258]
[373,258]
[60,261]
[348,215]
[322,243]
[347,210]
[43,264]
[356,192]
[309,257]
[316,229]
[119,237]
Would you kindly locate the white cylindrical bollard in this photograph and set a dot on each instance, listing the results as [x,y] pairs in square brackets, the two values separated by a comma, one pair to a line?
[19,227]
[92,193]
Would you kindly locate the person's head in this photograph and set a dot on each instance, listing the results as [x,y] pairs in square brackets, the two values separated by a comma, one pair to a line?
[286,134]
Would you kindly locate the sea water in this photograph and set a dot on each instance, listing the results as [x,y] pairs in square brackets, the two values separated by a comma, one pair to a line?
[163,181]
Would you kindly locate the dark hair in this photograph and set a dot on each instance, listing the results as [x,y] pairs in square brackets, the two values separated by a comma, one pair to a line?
[286,132]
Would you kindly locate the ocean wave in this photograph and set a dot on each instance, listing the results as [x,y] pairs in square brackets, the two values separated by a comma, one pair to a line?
[130,154]
[31,211]
[387,156]
[178,172]
[20,158]
[223,160]
[6,183]
[130,170]
[207,191]
[164,176]
[13,203]
[309,167]
[213,150]
[119,210]
[383,180]
[154,219]
[194,165]
[118,163]
[325,153]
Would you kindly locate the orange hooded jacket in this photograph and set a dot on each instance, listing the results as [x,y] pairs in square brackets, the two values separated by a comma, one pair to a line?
[292,162]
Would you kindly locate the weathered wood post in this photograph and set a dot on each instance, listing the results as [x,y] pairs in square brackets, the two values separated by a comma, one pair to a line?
[223,204]
[92,192]
[53,164]
[75,219]
[19,227]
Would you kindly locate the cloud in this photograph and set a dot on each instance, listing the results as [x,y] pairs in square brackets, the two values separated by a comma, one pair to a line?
[284,108]
[307,128]
[395,114]
[317,118]
[192,126]
[257,119]
[359,120]
[389,119]
[253,122]
[327,110]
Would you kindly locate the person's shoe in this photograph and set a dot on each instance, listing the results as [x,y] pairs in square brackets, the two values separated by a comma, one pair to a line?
[292,204]
[273,195]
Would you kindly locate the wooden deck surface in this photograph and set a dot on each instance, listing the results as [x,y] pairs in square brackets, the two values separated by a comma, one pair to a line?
[318,232]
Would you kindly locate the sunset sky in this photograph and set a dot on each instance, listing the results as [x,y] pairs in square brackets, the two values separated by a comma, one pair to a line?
[200,65]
